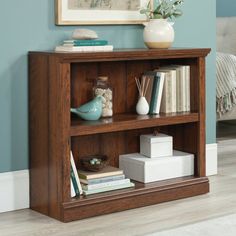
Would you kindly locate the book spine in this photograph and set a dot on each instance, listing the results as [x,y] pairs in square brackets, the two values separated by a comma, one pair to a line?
[122,186]
[79,43]
[183,89]
[163,99]
[72,189]
[155,110]
[187,73]
[168,93]
[173,90]
[106,184]
[106,48]
[73,167]
[178,92]
[154,95]
[159,92]
[102,180]
[72,175]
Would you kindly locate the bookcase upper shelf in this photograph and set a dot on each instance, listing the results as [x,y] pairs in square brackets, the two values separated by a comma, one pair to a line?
[121,122]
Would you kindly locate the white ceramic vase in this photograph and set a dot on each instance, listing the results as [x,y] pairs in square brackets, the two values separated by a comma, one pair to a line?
[158,33]
[142,107]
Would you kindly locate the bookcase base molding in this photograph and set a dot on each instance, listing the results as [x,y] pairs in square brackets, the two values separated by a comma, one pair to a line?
[140,197]
[59,81]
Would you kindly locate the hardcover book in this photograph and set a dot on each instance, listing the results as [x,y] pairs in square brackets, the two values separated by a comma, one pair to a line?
[71,48]
[102,180]
[105,184]
[106,189]
[85,42]
[157,90]
[74,175]
[105,172]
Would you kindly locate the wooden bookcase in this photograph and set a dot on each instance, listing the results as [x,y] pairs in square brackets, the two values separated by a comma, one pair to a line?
[58,81]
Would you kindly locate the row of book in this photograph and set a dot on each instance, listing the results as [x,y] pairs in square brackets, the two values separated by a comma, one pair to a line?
[87,182]
[84,45]
[169,89]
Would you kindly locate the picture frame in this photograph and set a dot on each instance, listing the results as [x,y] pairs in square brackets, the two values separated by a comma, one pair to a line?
[99,12]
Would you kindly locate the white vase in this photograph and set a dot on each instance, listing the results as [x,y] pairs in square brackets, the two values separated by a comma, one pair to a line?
[158,33]
[142,107]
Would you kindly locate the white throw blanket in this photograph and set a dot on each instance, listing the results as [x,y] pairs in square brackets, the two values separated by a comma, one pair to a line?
[226,82]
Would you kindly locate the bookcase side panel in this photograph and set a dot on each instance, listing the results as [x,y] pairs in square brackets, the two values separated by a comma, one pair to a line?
[202,118]
[59,138]
[38,133]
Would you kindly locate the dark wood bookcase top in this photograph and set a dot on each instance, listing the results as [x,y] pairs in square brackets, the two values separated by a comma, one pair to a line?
[58,81]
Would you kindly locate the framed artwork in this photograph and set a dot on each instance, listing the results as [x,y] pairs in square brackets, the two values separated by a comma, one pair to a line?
[99,12]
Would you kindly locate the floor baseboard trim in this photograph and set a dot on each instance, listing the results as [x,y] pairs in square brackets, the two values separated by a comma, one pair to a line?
[14,186]
[14,189]
[211,159]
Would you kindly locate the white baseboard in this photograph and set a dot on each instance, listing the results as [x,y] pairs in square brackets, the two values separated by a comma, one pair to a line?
[211,159]
[14,186]
[14,190]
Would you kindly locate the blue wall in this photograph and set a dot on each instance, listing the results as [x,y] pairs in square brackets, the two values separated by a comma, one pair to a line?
[225,7]
[29,25]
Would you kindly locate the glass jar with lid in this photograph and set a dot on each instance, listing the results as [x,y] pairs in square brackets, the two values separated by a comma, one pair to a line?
[102,88]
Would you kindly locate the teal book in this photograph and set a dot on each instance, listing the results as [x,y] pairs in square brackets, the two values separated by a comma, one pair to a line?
[76,188]
[106,189]
[155,89]
[85,42]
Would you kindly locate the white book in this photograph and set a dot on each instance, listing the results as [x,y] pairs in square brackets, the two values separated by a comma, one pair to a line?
[168,101]
[181,96]
[75,172]
[72,190]
[180,89]
[107,189]
[105,184]
[187,75]
[69,48]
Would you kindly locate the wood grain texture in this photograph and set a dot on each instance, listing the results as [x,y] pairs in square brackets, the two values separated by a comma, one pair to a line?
[61,80]
[142,195]
[38,132]
[59,125]
[129,122]
[129,54]
[202,118]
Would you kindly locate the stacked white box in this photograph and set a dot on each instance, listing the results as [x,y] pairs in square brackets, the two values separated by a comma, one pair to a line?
[154,146]
[146,170]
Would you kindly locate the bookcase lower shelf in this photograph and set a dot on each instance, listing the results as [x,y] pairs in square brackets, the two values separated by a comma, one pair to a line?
[140,196]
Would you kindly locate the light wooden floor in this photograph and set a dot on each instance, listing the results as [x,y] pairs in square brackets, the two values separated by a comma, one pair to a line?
[219,202]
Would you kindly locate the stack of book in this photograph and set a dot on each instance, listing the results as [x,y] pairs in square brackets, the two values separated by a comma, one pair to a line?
[84,45]
[108,179]
[169,89]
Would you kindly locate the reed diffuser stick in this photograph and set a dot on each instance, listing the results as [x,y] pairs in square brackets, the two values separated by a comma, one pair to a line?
[142,86]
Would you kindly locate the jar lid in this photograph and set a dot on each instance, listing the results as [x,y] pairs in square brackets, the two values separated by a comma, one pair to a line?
[103,78]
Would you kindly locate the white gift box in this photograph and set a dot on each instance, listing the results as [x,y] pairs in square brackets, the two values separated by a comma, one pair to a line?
[146,170]
[153,146]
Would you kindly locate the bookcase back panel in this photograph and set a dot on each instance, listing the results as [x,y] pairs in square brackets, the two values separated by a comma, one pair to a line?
[117,143]
[135,69]
[82,78]
[122,79]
